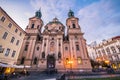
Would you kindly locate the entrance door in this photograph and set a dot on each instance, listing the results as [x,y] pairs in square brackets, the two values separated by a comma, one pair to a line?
[50,62]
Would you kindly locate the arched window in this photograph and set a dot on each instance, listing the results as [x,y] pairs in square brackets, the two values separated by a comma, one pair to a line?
[37,48]
[73,25]
[32,26]
[77,47]
[59,55]
[22,60]
[35,60]
[43,55]
[38,27]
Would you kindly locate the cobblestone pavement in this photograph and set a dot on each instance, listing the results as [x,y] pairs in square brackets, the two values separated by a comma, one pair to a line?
[38,76]
[43,76]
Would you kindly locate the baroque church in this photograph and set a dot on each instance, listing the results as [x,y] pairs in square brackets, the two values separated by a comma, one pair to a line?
[52,48]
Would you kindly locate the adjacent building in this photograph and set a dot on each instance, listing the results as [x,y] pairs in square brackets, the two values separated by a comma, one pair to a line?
[92,51]
[11,38]
[108,51]
[52,48]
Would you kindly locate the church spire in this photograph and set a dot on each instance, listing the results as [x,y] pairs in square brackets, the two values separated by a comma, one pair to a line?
[38,14]
[70,13]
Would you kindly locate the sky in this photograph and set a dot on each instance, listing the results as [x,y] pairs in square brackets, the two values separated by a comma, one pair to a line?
[98,19]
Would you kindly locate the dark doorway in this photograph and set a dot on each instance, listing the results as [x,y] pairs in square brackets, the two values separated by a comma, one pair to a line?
[50,62]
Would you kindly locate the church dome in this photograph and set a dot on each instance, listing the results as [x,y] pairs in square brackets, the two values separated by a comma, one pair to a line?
[70,13]
[38,14]
[55,24]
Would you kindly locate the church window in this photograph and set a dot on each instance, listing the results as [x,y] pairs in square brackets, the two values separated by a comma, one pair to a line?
[59,55]
[43,55]
[28,37]
[79,60]
[45,44]
[37,48]
[76,37]
[66,48]
[52,46]
[26,47]
[73,25]
[52,38]
[59,44]
[22,60]
[32,26]
[38,27]
[77,47]
[69,26]
[35,60]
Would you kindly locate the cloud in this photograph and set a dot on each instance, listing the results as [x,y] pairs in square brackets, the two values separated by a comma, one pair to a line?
[99,20]
[51,9]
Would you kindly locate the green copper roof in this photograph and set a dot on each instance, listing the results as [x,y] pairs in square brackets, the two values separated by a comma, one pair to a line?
[38,14]
[70,13]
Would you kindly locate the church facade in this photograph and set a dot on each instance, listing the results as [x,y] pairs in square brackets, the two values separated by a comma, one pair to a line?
[52,48]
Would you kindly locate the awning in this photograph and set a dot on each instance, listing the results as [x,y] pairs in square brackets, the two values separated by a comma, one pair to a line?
[4,65]
[21,66]
[14,66]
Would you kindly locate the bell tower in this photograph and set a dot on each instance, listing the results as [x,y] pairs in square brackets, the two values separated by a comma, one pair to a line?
[72,23]
[35,23]
[33,33]
[78,51]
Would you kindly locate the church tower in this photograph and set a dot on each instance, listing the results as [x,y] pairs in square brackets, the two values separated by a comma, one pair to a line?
[77,43]
[33,33]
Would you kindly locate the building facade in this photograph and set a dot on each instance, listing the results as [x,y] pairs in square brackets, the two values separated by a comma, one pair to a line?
[52,48]
[91,50]
[109,52]
[11,38]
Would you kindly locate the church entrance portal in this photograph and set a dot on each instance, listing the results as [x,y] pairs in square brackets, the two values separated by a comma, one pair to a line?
[50,62]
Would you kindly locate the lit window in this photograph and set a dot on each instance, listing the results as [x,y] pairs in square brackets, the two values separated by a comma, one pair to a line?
[7,52]
[9,25]
[16,30]
[12,40]
[13,54]
[3,19]
[5,35]
[17,43]
[79,60]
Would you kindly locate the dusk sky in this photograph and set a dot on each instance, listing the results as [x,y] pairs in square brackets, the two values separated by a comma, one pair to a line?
[99,19]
